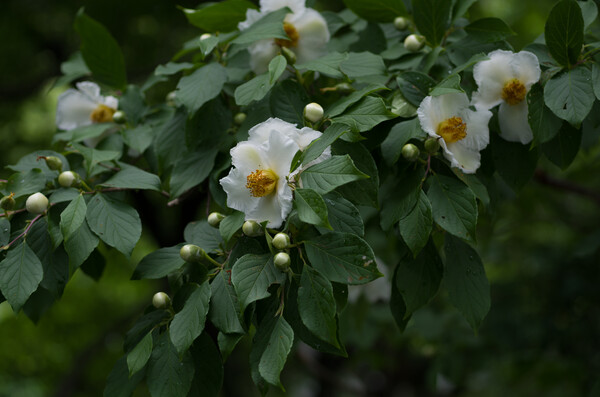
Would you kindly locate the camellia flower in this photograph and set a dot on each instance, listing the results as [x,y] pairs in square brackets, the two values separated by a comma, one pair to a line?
[84,106]
[461,132]
[505,80]
[306,28]
[259,182]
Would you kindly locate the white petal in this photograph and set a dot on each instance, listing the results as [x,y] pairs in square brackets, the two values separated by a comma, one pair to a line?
[305,136]
[280,153]
[297,6]
[526,68]
[238,196]
[433,110]
[251,17]
[261,54]
[248,157]
[478,133]
[313,35]
[74,109]
[91,90]
[464,157]
[428,117]
[111,102]
[267,209]
[260,133]
[490,76]
[514,126]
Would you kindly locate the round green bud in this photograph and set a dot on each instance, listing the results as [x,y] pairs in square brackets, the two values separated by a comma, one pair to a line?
[68,179]
[400,23]
[281,241]
[37,203]
[252,229]
[119,117]
[54,163]
[282,261]
[171,98]
[313,112]
[160,300]
[192,253]
[414,42]
[205,36]
[7,203]
[410,152]
[289,55]
[239,118]
[344,88]
[432,145]
[215,218]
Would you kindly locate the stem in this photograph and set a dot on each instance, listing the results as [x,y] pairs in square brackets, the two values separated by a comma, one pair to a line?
[25,231]
[426,170]
[7,213]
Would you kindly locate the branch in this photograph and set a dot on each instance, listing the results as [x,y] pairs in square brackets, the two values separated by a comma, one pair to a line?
[559,184]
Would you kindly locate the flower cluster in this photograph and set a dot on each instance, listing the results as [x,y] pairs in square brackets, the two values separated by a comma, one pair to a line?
[462,126]
[259,182]
[306,28]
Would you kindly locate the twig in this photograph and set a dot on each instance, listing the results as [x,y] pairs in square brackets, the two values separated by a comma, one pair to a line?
[559,184]
[25,231]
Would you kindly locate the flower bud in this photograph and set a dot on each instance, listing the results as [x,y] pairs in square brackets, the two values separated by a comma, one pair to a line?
[205,36]
[171,98]
[281,241]
[400,23]
[414,42]
[215,218]
[119,117]
[160,300]
[432,145]
[252,229]
[68,179]
[36,203]
[239,118]
[282,261]
[54,163]
[8,202]
[313,112]
[289,55]
[344,88]
[192,253]
[410,152]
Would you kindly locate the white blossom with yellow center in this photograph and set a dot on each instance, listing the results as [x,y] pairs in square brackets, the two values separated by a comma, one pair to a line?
[462,132]
[259,182]
[306,28]
[84,106]
[505,80]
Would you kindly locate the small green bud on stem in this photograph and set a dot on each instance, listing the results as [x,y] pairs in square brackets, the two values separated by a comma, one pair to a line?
[119,117]
[410,152]
[432,145]
[400,23]
[7,203]
[171,98]
[282,261]
[252,229]
[160,300]
[53,162]
[192,253]
[205,36]
[281,241]
[313,112]
[215,218]
[414,42]
[68,179]
[37,203]
[239,118]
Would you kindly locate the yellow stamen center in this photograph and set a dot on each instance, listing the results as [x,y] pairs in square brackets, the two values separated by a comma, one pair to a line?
[452,129]
[293,35]
[513,92]
[261,182]
[102,114]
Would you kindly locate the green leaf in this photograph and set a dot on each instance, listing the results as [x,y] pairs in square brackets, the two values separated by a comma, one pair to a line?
[564,32]
[25,183]
[454,206]
[363,191]
[80,245]
[82,133]
[361,64]
[4,231]
[170,139]
[596,79]
[329,65]
[397,305]
[258,87]
[139,138]
[252,275]
[167,375]
[204,84]
[402,199]
[563,148]
[287,101]
[139,356]
[63,194]
[316,305]
[589,11]
[219,17]
[311,207]
[159,263]
[318,146]
[570,94]
[366,114]
[377,10]
[133,103]
[418,279]
[342,258]
[208,44]
[172,68]
[466,282]
[449,85]
[100,51]
[208,377]
[231,224]
[116,223]
[143,326]
[228,342]
[192,170]
[33,160]
[131,177]
[188,323]
[94,156]
[489,30]
[268,27]
[272,344]
[55,262]
[203,235]
[460,8]
[544,124]
[73,216]
[343,103]
[415,227]
[415,86]
[514,162]
[343,215]
[94,265]
[119,384]
[20,274]
[224,305]
[399,135]
[432,18]
[331,173]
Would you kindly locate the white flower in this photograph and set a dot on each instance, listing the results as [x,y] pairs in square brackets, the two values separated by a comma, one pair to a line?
[259,182]
[462,132]
[84,106]
[305,27]
[505,80]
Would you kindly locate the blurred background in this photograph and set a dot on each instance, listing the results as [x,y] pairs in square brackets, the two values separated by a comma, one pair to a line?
[541,251]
